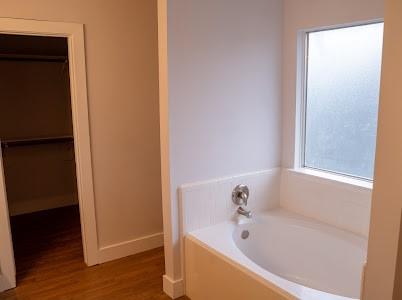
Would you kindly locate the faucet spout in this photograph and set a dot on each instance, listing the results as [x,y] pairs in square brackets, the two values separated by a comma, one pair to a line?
[244,212]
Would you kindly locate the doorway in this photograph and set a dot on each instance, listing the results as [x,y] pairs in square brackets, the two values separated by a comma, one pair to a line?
[46,181]
[37,148]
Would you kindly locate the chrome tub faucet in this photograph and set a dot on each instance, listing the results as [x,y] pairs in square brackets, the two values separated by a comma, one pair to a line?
[240,196]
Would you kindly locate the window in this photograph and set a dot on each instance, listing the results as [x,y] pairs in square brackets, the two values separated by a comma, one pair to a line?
[342,85]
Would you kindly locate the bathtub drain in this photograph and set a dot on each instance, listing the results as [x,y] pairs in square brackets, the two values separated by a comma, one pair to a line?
[245,234]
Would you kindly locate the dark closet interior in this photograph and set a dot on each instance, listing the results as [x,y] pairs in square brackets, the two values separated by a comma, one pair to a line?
[37,143]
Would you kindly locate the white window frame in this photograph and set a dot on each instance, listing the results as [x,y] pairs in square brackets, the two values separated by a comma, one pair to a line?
[301,102]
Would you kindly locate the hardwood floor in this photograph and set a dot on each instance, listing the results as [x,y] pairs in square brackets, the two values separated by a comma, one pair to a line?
[50,264]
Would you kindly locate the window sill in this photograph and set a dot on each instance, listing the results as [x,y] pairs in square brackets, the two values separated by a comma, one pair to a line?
[322,175]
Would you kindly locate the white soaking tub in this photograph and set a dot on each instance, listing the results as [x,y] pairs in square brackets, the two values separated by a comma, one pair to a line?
[277,255]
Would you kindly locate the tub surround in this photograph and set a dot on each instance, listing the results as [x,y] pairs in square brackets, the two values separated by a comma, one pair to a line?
[209,202]
[208,217]
[217,269]
[340,204]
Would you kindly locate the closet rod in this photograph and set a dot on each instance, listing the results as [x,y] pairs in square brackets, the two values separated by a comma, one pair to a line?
[23,57]
[37,141]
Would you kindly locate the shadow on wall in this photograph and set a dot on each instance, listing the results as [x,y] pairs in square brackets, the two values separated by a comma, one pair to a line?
[398,272]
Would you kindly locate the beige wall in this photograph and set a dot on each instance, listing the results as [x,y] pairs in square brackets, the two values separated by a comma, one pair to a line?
[307,14]
[398,271]
[122,76]
[387,191]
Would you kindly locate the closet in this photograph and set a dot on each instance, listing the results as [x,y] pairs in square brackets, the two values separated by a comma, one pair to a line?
[37,146]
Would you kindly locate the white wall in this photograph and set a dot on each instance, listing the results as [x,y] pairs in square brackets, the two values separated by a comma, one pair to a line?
[224,75]
[305,14]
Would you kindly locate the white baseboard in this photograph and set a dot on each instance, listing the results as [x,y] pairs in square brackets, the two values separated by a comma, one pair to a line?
[131,247]
[173,288]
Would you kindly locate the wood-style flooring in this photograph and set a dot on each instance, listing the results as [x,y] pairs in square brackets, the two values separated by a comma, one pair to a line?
[50,264]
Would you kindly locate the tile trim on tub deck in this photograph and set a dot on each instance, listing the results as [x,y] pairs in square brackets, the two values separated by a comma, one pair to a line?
[335,203]
[209,202]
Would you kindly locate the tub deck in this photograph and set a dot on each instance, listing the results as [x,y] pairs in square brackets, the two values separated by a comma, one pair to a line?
[215,267]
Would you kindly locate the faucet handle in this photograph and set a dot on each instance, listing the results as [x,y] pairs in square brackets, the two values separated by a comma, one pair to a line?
[240,194]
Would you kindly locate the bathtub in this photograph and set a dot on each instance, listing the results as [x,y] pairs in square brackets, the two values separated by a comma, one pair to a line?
[277,255]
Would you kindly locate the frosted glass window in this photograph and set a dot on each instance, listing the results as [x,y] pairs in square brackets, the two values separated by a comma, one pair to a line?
[342,94]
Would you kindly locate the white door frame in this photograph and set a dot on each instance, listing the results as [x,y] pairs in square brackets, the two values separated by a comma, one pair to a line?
[7,263]
[79,103]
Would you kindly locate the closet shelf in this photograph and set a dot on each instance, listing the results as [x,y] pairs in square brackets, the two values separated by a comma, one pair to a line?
[37,141]
[23,57]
